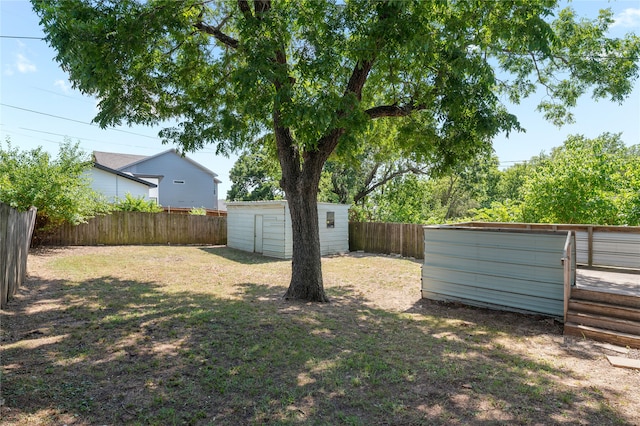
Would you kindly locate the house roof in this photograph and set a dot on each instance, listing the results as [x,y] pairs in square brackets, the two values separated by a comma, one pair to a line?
[124,175]
[114,160]
[119,161]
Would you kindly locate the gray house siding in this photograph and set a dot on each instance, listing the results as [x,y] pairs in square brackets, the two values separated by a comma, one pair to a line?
[182,182]
[510,270]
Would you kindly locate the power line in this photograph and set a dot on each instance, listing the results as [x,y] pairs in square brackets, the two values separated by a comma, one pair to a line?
[75,121]
[11,132]
[202,151]
[75,98]
[22,37]
[85,139]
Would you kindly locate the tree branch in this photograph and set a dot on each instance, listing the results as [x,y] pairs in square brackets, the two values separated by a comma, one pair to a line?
[243,5]
[393,110]
[217,33]
[261,6]
[359,77]
[356,82]
[386,178]
[541,80]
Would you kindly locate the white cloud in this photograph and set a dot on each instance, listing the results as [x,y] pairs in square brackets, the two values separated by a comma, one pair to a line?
[24,65]
[62,85]
[629,18]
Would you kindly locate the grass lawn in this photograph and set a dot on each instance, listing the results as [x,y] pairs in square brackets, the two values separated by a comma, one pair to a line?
[200,335]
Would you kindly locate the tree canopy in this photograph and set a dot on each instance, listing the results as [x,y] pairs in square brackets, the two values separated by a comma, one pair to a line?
[317,73]
[256,174]
[585,181]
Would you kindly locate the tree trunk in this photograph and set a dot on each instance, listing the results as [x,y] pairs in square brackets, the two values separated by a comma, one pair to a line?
[306,268]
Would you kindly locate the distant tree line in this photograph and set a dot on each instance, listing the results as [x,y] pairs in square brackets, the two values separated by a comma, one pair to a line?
[594,181]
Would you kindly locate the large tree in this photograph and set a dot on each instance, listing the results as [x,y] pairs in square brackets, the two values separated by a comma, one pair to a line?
[348,178]
[316,73]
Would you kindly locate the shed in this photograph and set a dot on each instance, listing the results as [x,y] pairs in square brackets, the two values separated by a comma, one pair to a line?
[265,227]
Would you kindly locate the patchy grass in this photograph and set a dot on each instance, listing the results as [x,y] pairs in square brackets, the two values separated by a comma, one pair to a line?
[200,335]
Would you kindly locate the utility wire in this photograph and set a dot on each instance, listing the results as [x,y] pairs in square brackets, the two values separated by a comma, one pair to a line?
[75,98]
[88,124]
[75,121]
[22,37]
[82,138]
[96,140]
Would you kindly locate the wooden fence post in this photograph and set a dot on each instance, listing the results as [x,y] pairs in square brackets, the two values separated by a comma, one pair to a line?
[16,229]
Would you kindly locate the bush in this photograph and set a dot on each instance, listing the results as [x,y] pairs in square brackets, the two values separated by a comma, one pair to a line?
[198,211]
[136,204]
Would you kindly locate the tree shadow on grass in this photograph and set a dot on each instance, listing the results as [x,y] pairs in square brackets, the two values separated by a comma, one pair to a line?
[240,256]
[109,351]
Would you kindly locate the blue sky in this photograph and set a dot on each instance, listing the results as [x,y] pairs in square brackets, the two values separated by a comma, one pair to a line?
[35,92]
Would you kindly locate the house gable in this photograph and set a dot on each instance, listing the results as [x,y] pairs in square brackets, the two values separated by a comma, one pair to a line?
[184,183]
[180,181]
[175,153]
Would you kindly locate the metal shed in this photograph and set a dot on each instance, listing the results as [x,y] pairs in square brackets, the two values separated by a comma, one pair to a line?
[509,269]
[265,227]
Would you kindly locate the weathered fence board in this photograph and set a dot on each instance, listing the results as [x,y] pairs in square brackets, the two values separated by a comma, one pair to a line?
[16,229]
[389,238]
[126,228]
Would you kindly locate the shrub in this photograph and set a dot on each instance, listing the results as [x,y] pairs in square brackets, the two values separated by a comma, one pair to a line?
[198,211]
[136,204]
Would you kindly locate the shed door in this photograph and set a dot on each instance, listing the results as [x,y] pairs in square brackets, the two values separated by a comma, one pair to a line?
[257,234]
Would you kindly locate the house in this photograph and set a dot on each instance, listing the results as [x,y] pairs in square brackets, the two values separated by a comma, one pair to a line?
[179,181]
[265,227]
[115,184]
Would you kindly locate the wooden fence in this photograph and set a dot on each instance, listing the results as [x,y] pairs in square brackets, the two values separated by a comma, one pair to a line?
[125,228]
[16,229]
[388,238]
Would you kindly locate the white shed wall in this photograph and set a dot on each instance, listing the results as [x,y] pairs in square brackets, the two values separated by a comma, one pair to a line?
[241,227]
[334,240]
[277,234]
